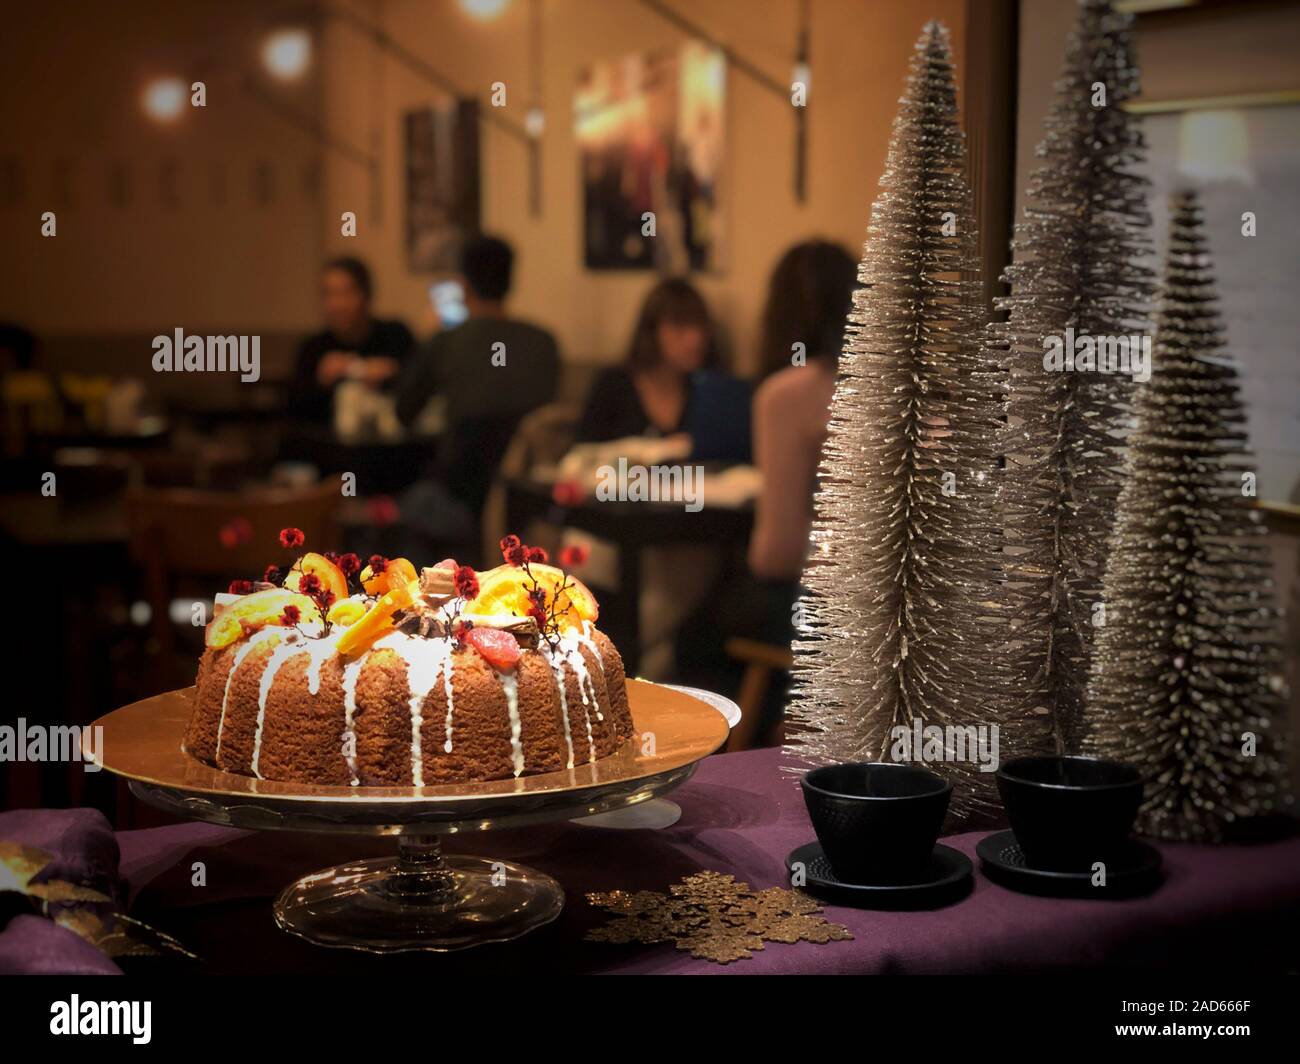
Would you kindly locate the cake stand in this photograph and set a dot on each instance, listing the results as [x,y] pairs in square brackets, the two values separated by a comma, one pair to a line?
[421,899]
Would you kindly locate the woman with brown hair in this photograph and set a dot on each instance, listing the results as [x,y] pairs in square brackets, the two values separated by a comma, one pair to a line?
[808,301]
[803,328]
[672,380]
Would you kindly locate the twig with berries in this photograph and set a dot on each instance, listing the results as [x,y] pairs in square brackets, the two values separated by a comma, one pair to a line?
[544,609]
[464,582]
[349,565]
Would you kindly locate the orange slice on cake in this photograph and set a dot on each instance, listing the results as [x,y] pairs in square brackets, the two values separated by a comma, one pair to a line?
[377,621]
[397,571]
[504,590]
[331,576]
[257,611]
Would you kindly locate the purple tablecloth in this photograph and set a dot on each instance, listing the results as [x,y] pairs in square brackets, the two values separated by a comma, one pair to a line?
[1217,905]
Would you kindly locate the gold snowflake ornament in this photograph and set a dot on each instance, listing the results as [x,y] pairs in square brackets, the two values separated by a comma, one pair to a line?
[714,918]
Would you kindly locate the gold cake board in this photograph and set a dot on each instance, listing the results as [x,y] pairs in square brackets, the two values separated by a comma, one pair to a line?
[422,899]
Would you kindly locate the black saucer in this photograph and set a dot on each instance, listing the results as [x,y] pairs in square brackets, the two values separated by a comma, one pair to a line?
[949,880]
[1135,871]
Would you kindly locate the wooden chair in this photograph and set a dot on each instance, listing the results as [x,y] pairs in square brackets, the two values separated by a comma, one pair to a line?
[176,537]
[761,660]
[541,439]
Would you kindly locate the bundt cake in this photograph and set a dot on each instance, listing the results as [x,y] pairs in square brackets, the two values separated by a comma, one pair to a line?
[443,677]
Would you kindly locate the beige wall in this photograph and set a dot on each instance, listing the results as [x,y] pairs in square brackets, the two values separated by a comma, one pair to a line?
[860,52]
[1219,50]
[231,262]
[71,114]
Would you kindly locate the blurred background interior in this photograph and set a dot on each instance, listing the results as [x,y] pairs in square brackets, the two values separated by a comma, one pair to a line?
[381,190]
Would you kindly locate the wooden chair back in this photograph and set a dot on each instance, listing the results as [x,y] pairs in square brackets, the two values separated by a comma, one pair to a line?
[182,534]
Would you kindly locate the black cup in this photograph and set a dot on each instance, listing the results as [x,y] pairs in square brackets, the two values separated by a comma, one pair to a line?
[877,822]
[1069,812]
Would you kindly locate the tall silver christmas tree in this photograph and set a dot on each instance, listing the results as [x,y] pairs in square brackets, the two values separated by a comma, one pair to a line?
[1186,680]
[1077,274]
[903,536]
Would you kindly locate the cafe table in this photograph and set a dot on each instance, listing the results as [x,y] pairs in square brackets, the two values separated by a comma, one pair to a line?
[1219,909]
[380,464]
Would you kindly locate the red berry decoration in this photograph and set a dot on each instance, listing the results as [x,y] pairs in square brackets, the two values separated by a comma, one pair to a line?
[513,550]
[240,587]
[349,563]
[378,563]
[291,616]
[500,649]
[292,537]
[465,581]
[538,555]
[273,575]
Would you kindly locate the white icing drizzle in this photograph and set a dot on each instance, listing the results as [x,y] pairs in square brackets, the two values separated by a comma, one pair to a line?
[510,685]
[447,687]
[424,664]
[585,640]
[254,640]
[279,656]
[570,655]
[351,673]
[557,670]
[319,651]
[571,647]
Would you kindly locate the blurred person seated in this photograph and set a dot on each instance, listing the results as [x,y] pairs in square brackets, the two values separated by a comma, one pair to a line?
[672,382]
[354,346]
[29,399]
[808,300]
[670,403]
[17,349]
[489,371]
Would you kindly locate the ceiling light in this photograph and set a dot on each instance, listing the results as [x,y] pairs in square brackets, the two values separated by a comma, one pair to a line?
[286,53]
[483,9]
[164,99]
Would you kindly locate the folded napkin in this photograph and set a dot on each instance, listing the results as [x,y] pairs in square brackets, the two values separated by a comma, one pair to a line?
[80,841]
[52,854]
[33,945]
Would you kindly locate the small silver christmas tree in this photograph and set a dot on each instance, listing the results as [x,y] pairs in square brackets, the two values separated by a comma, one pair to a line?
[1186,681]
[904,537]
[1077,272]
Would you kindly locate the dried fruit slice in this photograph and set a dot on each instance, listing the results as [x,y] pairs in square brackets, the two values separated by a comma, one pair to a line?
[346,612]
[504,590]
[377,621]
[401,570]
[256,611]
[331,576]
[397,571]
[500,649]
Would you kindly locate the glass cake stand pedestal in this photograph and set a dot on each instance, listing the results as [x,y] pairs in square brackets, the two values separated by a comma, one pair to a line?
[421,898]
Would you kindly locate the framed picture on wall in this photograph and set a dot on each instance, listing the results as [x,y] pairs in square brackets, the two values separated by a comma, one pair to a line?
[442,182]
[650,131]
